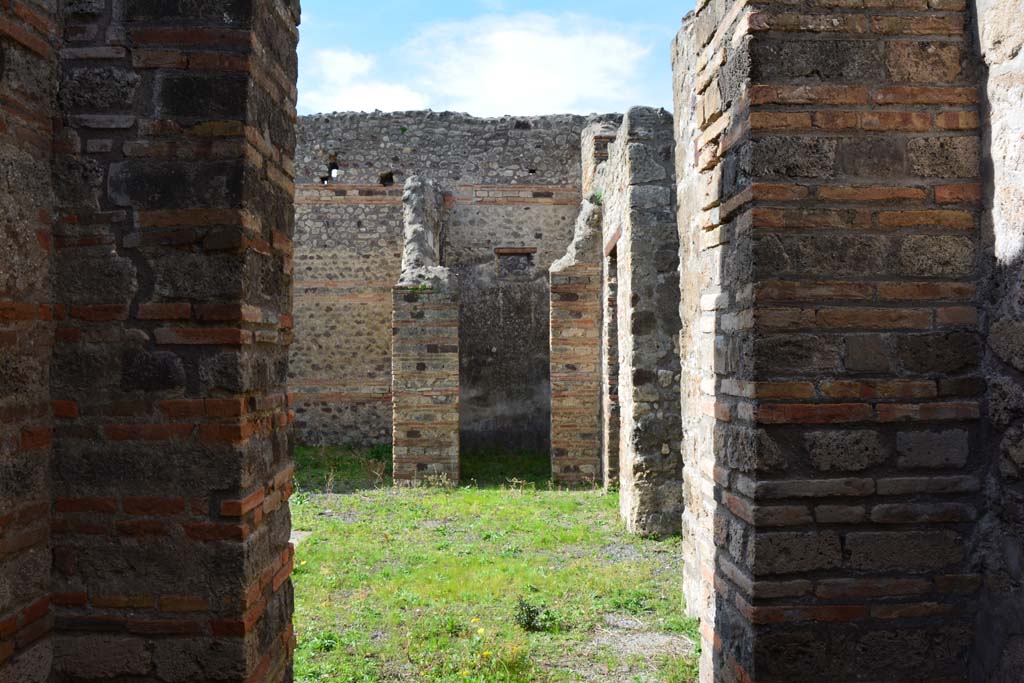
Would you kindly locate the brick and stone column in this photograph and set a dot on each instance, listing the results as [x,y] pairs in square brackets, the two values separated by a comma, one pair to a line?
[829,162]
[640,222]
[29,35]
[172,463]
[425,347]
[575,354]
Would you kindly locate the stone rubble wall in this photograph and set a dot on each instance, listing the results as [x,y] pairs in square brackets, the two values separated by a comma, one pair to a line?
[29,48]
[348,259]
[999,642]
[835,182]
[511,182]
[172,455]
[638,196]
[425,357]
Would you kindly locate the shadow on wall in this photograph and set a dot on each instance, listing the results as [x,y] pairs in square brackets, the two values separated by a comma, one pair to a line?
[999,639]
[504,367]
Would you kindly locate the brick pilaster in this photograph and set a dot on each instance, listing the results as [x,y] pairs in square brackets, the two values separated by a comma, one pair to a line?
[833,165]
[425,375]
[29,37]
[172,458]
[575,354]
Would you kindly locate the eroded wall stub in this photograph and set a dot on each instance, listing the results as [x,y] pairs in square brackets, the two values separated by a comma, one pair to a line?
[829,163]
[172,463]
[575,353]
[29,39]
[638,199]
[999,641]
[425,353]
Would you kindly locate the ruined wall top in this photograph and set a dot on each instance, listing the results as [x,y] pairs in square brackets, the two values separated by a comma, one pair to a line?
[423,205]
[449,147]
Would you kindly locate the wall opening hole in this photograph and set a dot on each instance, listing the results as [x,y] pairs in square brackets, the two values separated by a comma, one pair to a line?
[387,178]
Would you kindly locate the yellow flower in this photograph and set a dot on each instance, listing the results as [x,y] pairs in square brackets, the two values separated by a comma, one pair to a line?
[487,653]
[475,620]
[480,631]
[465,672]
[302,564]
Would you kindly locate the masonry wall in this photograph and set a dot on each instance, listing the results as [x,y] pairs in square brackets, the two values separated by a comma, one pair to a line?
[171,463]
[999,642]
[29,36]
[640,221]
[511,182]
[575,353]
[835,179]
[348,259]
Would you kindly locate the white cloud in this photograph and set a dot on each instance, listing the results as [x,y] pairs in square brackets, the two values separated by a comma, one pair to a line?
[530,63]
[342,81]
[527,64]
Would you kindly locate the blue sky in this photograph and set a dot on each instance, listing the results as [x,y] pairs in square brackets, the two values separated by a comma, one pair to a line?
[486,57]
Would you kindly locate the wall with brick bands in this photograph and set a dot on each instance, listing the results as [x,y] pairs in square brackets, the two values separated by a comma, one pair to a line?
[833,163]
[508,183]
[173,272]
[29,39]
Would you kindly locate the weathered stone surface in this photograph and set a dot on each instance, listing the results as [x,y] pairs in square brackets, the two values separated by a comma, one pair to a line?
[98,88]
[1006,339]
[908,550]
[948,352]
[814,60]
[867,353]
[845,451]
[785,552]
[924,62]
[102,656]
[935,255]
[944,157]
[778,156]
[932,449]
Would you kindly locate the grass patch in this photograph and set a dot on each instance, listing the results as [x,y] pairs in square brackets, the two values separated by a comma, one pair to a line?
[512,468]
[502,581]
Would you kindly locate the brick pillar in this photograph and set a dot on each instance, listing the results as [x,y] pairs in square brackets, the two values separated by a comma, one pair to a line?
[640,222]
[425,345]
[425,384]
[172,461]
[28,60]
[832,157]
[575,354]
